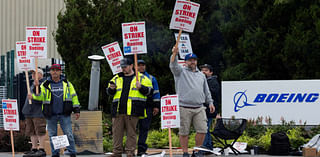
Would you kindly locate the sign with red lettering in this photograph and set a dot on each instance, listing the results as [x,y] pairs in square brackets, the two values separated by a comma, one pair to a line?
[184,15]
[170,115]
[134,38]
[113,55]
[24,63]
[10,114]
[184,45]
[36,38]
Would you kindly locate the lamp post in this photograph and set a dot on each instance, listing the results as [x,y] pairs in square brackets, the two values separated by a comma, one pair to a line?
[94,82]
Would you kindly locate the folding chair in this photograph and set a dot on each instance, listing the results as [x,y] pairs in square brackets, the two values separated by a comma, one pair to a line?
[229,129]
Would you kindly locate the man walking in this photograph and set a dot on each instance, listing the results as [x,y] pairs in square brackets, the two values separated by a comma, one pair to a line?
[129,103]
[214,87]
[193,91]
[35,121]
[153,105]
[59,99]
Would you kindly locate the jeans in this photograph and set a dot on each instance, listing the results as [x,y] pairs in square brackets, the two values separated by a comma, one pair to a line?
[208,139]
[66,126]
[144,126]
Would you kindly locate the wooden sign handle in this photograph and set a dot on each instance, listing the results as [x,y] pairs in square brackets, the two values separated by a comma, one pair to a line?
[36,74]
[176,45]
[12,142]
[28,85]
[170,143]
[136,65]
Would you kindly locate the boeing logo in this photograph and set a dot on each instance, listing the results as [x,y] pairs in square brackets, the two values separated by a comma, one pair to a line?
[240,100]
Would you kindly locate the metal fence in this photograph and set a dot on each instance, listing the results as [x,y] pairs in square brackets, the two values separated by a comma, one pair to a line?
[3,95]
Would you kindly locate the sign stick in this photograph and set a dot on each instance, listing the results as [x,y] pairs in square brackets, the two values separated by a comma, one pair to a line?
[178,40]
[28,85]
[36,74]
[170,143]
[136,65]
[12,143]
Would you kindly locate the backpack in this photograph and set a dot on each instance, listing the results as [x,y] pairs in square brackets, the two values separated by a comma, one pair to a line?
[280,144]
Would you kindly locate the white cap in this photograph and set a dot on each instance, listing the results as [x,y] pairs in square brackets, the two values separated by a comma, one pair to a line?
[39,71]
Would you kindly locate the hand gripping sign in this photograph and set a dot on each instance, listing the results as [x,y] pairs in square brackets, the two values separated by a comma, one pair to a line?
[170,115]
[114,56]
[184,15]
[134,38]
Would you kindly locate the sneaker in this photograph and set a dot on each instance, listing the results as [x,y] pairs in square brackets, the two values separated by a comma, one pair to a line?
[198,154]
[185,154]
[40,153]
[30,153]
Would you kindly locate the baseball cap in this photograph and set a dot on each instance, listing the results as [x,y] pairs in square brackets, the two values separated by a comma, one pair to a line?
[125,62]
[190,56]
[140,61]
[207,66]
[55,66]
[39,71]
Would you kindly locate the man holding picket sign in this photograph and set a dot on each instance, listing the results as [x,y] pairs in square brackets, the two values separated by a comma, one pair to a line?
[191,85]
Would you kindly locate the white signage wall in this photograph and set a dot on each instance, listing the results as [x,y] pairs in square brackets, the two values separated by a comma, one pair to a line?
[184,15]
[114,56]
[36,38]
[184,45]
[294,100]
[134,38]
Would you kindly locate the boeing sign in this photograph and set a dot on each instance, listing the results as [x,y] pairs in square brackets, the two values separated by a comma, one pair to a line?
[295,100]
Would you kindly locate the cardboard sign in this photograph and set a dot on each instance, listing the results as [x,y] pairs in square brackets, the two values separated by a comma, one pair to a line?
[24,63]
[170,115]
[60,141]
[10,114]
[36,41]
[184,44]
[114,56]
[184,15]
[134,38]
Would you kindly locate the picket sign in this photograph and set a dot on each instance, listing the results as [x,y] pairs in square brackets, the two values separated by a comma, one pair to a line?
[134,41]
[36,46]
[60,141]
[24,62]
[114,56]
[170,115]
[10,118]
[184,45]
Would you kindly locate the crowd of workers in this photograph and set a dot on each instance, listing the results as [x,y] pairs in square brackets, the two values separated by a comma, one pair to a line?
[136,99]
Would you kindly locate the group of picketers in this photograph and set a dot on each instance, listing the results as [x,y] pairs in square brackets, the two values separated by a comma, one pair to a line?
[138,96]
[136,99]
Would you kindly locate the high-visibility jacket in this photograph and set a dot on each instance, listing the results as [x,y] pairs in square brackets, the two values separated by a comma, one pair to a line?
[136,103]
[70,98]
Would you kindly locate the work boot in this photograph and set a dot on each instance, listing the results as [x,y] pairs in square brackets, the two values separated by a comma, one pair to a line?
[72,155]
[40,153]
[30,153]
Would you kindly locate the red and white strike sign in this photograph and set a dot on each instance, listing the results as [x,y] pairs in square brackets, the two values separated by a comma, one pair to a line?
[10,114]
[36,38]
[114,56]
[24,63]
[170,115]
[134,38]
[184,15]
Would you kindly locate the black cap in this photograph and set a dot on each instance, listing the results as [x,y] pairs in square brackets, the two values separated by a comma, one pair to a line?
[125,62]
[141,61]
[207,66]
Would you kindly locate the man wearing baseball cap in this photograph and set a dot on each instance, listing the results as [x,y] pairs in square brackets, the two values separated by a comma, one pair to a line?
[59,100]
[129,103]
[35,121]
[193,91]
